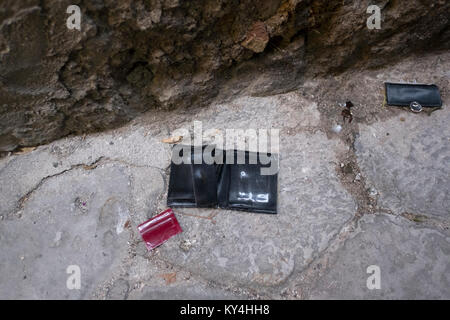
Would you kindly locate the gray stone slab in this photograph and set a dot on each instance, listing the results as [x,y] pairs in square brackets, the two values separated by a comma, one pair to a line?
[56,181]
[76,218]
[414,262]
[265,250]
[406,159]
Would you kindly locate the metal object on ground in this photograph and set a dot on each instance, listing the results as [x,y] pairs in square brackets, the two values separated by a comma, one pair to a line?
[416,107]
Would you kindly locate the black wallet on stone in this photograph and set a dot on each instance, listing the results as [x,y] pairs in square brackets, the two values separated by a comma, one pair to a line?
[223,185]
[415,96]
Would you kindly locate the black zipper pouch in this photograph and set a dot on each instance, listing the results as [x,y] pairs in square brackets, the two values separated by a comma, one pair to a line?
[235,186]
[413,95]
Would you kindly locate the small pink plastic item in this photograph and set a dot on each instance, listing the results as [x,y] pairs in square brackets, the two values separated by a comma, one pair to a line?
[159,229]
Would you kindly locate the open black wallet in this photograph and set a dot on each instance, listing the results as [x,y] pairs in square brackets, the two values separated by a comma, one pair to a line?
[223,184]
[415,96]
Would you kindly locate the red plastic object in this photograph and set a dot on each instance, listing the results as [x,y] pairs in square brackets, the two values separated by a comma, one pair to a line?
[159,229]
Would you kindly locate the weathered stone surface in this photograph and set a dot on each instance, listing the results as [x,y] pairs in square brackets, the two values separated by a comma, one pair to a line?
[264,250]
[256,38]
[82,222]
[82,176]
[162,281]
[134,147]
[414,262]
[142,55]
[406,160]
[309,250]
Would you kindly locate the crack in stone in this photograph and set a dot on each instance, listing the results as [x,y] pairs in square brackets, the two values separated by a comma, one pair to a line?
[21,202]
[419,219]
[314,270]
[90,166]
[366,204]
[306,279]
[352,178]
[317,268]
[129,164]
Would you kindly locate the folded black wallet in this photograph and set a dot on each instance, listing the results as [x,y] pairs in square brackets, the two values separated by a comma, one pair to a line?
[223,185]
[400,94]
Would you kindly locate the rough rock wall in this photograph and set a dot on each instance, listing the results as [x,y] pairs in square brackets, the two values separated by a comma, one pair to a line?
[136,55]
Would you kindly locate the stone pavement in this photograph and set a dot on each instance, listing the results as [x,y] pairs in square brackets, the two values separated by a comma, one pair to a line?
[376,193]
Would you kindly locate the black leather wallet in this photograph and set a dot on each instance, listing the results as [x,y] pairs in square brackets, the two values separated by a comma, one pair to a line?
[223,185]
[399,94]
